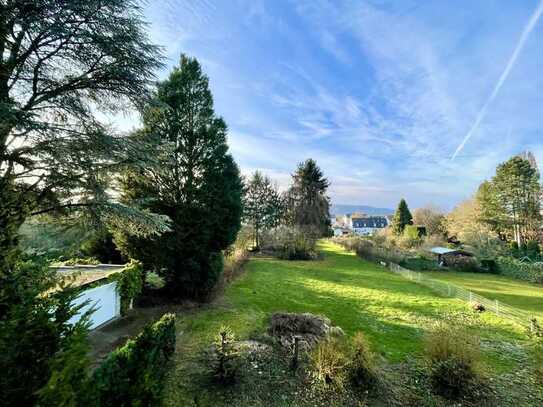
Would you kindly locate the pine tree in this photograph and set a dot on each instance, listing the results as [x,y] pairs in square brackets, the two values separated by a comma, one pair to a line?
[516,190]
[262,205]
[307,203]
[196,183]
[402,218]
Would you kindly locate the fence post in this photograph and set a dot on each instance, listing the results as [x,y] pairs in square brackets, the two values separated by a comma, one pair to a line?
[294,362]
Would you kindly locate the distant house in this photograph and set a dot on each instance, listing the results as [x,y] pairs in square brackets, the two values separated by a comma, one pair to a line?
[367,225]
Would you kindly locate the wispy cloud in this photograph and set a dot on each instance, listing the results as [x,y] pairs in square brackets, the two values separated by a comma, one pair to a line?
[503,77]
[378,92]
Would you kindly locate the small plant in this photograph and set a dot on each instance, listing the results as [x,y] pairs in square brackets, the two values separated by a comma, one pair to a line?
[362,369]
[330,362]
[453,356]
[225,365]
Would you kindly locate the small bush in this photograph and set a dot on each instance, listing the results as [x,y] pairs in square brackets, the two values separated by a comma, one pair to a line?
[453,356]
[290,243]
[489,266]
[133,375]
[330,362]
[462,263]
[225,363]
[362,369]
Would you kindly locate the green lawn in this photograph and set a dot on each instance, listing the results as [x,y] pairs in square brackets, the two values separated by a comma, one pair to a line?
[356,295]
[525,296]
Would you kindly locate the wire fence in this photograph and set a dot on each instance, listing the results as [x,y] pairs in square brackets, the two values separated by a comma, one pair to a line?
[454,291]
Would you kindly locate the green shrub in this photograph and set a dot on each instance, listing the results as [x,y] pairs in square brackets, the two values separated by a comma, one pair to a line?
[489,266]
[133,375]
[453,356]
[514,268]
[69,373]
[34,329]
[294,244]
[362,368]
[533,250]
[411,236]
[129,283]
[462,263]
[225,361]
[418,263]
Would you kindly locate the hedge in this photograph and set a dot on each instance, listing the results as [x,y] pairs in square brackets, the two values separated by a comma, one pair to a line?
[133,375]
[511,267]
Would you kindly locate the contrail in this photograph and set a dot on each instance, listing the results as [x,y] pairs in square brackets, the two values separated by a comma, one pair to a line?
[525,34]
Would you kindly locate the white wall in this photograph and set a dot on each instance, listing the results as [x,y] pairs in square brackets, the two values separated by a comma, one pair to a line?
[106,301]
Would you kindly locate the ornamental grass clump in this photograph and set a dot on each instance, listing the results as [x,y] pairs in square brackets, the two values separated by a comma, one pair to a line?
[337,361]
[330,363]
[453,355]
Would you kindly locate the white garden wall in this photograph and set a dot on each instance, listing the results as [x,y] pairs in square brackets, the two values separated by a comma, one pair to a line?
[106,301]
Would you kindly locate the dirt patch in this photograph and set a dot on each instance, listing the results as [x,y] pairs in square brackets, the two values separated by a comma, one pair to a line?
[309,328]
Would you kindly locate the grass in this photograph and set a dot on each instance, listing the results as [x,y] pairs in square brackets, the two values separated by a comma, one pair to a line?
[393,313]
[525,296]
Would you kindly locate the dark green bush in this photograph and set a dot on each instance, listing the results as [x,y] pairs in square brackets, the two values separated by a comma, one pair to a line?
[452,378]
[130,283]
[133,375]
[34,329]
[362,368]
[490,266]
[511,267]
[462,263]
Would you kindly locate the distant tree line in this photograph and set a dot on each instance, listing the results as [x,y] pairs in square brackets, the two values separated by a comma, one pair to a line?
[305,204]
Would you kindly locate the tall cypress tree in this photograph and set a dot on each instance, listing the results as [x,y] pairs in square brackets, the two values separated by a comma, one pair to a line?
[402,218]
[195,182]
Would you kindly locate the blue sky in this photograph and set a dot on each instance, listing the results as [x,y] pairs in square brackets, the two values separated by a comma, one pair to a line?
[380,92]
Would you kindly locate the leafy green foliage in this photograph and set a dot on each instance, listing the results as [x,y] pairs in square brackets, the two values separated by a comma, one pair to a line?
[510,202]
[63,62]
[196,184]
[130,283]
[511,267]
[133,375]
[35,307]
[402,218]
[308,206]
[69,373]
[263,207]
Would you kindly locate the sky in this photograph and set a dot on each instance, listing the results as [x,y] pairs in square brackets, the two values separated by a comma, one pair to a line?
[392,98]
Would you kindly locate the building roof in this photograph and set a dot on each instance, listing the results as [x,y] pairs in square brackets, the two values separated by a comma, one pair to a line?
[446,250]
[86,274]
[370,222]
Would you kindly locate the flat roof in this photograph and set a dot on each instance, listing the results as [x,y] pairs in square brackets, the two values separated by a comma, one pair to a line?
[86,274]
[442,250]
